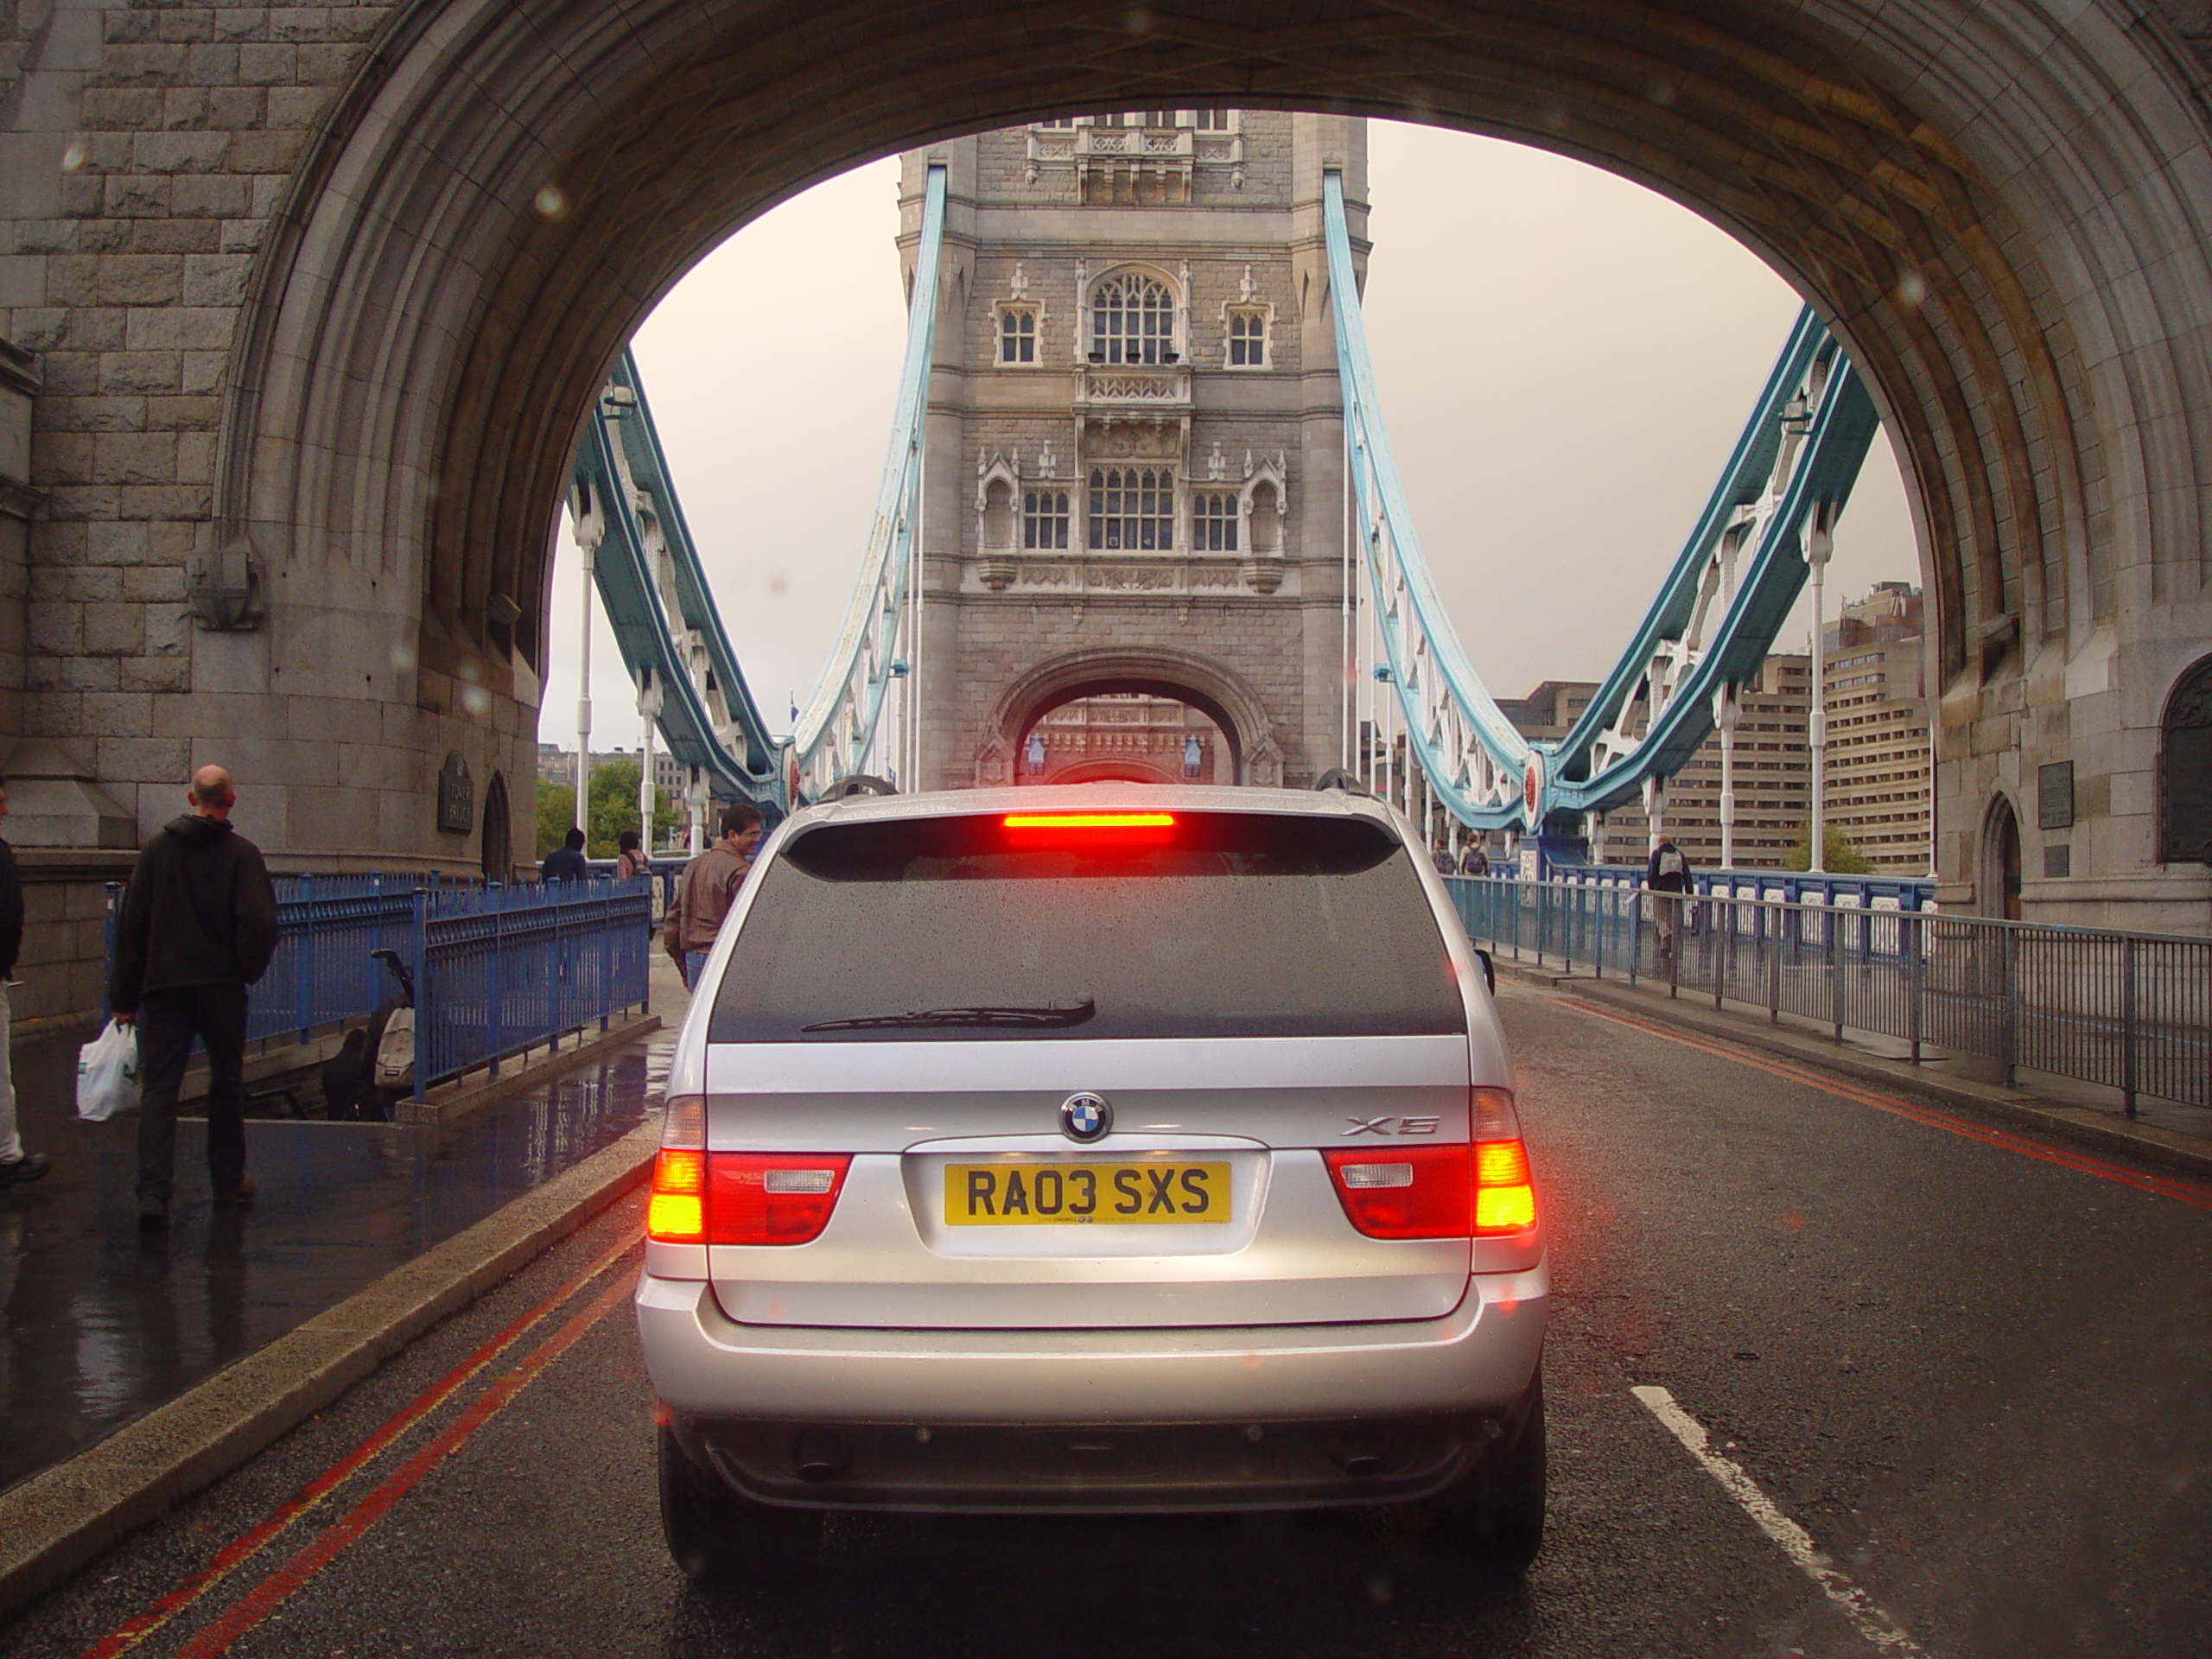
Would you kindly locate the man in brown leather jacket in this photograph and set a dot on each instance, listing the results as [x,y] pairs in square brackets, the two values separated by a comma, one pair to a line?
[705,890]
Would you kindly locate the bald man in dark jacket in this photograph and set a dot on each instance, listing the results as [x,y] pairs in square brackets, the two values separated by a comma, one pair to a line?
[197,925]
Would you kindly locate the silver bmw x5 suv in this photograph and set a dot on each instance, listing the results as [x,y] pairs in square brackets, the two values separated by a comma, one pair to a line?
[1091,1148]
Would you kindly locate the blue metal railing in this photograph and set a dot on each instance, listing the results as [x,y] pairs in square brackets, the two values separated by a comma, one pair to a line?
[497,969]
[1789,887]
[2132,1012]
[503,968]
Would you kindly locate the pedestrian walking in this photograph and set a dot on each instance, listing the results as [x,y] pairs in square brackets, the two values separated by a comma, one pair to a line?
[705,890]
[197,927]
[566,862]
[1440,856]
[629,857]
[1473,861]
[1667,876]
[17,1167]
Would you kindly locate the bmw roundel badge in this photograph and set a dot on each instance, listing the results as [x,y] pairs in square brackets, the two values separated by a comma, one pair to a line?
[1085,1117]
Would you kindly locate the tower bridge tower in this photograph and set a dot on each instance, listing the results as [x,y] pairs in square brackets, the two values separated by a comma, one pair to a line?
[1134,460]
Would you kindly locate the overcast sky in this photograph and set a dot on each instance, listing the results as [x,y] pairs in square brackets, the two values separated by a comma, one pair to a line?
[1564,360]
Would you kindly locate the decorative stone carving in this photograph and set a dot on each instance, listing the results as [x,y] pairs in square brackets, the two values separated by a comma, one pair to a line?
[1262,575]
[1264,766]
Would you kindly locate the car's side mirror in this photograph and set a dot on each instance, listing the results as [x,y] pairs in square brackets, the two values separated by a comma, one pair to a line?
[1490,970]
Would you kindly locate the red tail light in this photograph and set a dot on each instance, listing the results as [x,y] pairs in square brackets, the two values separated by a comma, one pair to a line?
[1404,1192]
[785,1197]
[743,1198]
[1449,1192]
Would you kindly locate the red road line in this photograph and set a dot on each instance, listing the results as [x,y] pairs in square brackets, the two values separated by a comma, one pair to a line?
[128,1634]
[2183,1191]
[274,1590]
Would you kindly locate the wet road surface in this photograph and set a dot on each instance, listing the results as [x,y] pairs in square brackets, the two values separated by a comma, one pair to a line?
[102,1323]
[1966,1368]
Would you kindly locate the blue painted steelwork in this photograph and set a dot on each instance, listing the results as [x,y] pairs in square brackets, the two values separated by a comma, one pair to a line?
[565,955]
[657,601]
[655,588]
[1474,758]
[1711,626]
[504,969]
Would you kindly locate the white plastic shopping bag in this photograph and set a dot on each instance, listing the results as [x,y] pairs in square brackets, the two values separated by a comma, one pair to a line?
[107,1074]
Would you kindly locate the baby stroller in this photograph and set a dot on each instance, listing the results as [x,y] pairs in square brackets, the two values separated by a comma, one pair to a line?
[374,1067]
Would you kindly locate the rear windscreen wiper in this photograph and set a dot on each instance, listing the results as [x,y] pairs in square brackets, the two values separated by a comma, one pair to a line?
[1030,1014]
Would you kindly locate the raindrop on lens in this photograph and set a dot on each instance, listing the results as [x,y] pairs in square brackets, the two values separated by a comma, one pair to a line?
[73,157]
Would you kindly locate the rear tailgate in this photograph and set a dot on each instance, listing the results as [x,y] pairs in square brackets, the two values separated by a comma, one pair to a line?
[1239,1121]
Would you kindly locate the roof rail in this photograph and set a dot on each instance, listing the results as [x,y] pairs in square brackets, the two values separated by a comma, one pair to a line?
[1338,778]
[859,783]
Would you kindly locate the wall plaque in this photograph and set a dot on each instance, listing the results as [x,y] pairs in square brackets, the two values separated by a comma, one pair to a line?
[2054,796]
[456,795]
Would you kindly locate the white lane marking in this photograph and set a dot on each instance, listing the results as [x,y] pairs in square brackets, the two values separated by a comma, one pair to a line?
[1796,1543]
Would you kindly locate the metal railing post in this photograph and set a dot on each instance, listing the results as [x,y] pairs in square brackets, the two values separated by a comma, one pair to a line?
[107,936]
[425,993]
[494,983]
[2011,1011]
[2128,1025]
[1915,979]
[1771,919]
[303,957]
[1829,919]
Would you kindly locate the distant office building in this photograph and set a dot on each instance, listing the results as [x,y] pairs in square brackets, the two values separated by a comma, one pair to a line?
[1878,729]
[1877,779]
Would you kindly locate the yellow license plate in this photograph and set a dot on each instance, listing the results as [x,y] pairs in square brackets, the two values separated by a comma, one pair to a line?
[1064,1193]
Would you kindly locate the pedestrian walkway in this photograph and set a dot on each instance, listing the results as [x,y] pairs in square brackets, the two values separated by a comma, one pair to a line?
[100,1324]
[2163,1131]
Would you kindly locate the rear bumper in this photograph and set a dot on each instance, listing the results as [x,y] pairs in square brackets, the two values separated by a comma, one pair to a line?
[744,1391]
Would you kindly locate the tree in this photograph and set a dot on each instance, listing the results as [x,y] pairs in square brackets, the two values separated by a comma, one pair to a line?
[556,811]
[1838,856]
[614,808]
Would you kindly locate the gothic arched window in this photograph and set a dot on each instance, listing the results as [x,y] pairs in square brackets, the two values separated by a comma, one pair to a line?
[1132,320]
[1132,507]
[1017,334]
[2185,769]
[1213,523]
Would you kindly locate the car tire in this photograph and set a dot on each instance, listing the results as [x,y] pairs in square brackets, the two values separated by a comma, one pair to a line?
[1498,1511]
[719,1536]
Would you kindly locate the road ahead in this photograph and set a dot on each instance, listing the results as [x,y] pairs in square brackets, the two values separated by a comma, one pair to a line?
[1966,1368]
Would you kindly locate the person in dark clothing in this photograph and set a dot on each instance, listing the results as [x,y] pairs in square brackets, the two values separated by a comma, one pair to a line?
[16,1165]
[1667,876]
[566,862]
[197,927]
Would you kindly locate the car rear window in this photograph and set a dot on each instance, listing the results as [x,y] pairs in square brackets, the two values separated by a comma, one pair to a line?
[1217,925]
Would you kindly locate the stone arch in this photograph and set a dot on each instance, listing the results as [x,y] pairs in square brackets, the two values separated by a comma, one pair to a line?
[2185,769]
[497,842]
[1984,206]
[2001,866]
[1219,693]
[1089,772]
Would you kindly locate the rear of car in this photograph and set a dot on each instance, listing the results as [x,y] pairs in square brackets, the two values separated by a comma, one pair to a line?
[1091,1148]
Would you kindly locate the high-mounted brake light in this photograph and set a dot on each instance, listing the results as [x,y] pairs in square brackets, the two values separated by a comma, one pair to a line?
[1090,821]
